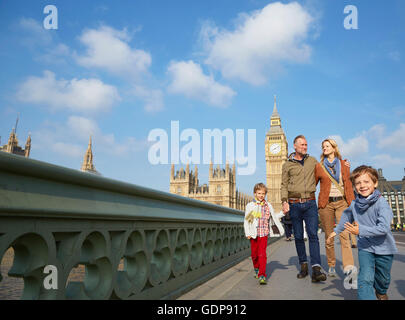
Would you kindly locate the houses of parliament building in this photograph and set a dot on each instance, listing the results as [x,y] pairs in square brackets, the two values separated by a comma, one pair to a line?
[394,193]
[221,188]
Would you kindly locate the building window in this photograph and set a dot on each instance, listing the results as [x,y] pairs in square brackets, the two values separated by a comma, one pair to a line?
[178,190]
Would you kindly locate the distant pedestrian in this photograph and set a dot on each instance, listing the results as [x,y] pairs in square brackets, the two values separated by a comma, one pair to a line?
[256,224]
[369,218]
[287,223]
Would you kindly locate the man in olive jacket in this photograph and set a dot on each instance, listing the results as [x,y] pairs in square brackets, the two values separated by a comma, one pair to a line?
[298,188]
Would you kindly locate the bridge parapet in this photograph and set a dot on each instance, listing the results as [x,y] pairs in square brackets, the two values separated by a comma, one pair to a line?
[132,242]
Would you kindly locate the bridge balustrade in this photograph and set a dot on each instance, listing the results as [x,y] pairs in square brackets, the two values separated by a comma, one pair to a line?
[131,242]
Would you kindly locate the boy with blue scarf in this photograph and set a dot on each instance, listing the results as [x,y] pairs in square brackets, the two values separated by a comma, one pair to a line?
[369,217]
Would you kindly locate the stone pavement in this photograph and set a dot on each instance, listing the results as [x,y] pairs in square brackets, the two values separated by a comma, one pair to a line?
[238,283]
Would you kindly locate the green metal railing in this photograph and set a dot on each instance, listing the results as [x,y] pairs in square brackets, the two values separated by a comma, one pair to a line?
[132,242]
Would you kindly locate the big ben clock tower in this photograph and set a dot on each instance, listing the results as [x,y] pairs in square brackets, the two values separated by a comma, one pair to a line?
[276,154]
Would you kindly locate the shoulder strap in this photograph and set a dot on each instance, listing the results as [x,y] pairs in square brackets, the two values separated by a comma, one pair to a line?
[333,180]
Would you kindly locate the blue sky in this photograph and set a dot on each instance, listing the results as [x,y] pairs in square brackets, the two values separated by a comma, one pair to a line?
[119,69]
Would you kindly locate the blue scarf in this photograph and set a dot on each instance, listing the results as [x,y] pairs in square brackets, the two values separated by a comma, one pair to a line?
[362,204]
[333,168]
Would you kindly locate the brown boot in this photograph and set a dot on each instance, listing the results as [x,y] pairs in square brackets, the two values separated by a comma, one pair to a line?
[381,296]
[304,271]
[317,275]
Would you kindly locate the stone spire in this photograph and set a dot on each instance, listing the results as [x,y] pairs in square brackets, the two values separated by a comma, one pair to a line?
[87,165]
[12,142]
[275,112]
[28,146]
[172,172]
[275,121]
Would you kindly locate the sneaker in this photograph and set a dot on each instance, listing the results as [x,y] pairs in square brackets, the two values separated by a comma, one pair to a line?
[256,273]
[332,272]
[262,280]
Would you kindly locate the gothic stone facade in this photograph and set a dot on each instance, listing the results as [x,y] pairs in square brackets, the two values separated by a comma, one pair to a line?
[13,147]
[394,193]
[220,190]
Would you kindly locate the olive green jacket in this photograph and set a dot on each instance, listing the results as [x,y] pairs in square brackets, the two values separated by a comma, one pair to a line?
[297,180]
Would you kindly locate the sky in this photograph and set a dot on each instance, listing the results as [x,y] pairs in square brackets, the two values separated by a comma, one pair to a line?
[126,72]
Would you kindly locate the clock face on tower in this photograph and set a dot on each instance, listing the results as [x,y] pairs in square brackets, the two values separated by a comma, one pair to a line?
[275,148]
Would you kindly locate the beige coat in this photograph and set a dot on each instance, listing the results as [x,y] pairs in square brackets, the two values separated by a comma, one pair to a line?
[298,181]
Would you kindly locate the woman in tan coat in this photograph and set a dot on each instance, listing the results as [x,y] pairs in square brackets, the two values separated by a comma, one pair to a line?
[336,194]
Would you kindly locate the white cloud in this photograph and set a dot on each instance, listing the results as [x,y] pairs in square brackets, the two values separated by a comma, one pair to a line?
[53,138]
[37,34]
[376,131]
[56,54]
[353,148]
[70,139]
[394,141]
[108,48]
[188,79]
[366,148]
[82,127]
[67,149]
[79,95]
[152,98]
[43,44]
[384,160]
[260,42]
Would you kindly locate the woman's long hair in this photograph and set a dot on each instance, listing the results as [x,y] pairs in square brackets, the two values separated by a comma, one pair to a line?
[334,146]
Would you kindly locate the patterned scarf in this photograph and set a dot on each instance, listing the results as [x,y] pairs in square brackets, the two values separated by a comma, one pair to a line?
[333,168]
[262,205]
[258,214]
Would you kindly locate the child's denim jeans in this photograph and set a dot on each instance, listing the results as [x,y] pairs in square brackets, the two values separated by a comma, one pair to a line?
[374,275]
